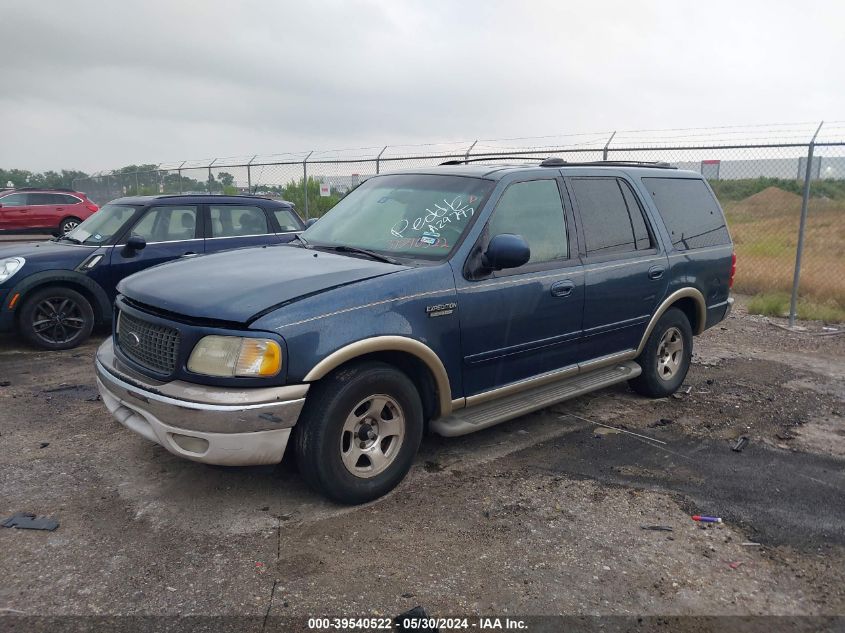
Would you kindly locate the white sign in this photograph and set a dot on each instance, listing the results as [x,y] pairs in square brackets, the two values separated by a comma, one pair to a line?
[325,190]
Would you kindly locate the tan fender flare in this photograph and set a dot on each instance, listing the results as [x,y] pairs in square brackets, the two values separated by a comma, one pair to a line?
[390,344]
[700,305]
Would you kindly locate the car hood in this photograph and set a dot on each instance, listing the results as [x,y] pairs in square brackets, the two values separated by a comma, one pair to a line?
[236,286]
[60,254]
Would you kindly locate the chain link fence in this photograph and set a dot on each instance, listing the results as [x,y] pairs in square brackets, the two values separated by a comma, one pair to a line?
[771,181]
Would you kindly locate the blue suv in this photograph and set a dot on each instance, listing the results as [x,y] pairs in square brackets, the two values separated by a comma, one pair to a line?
[450,298]
[55,292]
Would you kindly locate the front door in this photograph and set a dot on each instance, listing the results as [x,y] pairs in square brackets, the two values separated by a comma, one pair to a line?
[14,215]
[170,231]
[522,322]
[626,272]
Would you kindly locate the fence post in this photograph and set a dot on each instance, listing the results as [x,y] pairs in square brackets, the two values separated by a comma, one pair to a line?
[469,149]
[378,159]
[799,251]
[210,177]
[305,182]
[249,174]
[137,185]
[179,171]
[606,145]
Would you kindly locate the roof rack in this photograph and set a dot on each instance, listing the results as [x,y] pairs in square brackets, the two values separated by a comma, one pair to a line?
[554,161]
[45,189]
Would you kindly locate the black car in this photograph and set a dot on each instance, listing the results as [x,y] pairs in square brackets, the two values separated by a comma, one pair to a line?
[54,292]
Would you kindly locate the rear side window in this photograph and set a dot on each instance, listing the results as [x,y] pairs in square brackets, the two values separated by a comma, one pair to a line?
[612,218]
[286,220]
[68,199]
[690,212]
[235,221]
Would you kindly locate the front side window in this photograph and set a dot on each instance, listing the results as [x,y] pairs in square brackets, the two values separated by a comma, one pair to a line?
[419,216]
[14,200]
[235,221]
[167,224]
[612,219]
[103,225]
[533,210]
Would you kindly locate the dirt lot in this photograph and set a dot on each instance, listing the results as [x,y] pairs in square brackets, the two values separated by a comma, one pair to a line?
[542,515]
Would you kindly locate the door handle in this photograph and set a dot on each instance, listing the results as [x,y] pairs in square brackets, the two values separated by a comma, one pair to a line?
[655,272]
[563,288]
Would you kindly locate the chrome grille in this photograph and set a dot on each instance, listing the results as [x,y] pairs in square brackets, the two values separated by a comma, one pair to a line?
[148,344]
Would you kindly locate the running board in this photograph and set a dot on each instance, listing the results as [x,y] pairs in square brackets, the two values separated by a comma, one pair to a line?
[488,414]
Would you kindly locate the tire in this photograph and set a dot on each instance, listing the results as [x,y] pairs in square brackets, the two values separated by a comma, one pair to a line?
[56,318]
[68,224]
[343,449]
[666,357]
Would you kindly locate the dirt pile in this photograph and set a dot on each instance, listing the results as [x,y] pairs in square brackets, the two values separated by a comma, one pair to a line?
[772,200]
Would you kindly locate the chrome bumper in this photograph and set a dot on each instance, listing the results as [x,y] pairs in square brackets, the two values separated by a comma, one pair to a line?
[215,425]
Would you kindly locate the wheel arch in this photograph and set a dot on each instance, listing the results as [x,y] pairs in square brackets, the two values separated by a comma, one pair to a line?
[410,356]
[690,301]
[66,279]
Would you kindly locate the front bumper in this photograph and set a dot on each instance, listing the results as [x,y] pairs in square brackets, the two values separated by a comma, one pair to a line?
[214,425]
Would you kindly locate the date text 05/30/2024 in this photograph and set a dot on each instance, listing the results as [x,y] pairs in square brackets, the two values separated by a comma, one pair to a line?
[417,624]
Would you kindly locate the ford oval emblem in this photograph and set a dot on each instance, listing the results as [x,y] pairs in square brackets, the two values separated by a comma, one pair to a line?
[134,339]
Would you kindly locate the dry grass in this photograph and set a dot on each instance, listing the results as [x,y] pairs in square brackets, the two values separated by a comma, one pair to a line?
[765,230]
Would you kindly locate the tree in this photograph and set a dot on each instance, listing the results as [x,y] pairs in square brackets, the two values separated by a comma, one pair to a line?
[294,192]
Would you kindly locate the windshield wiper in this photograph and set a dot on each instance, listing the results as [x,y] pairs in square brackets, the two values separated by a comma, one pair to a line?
[362,251]
[301,239]
[72,240]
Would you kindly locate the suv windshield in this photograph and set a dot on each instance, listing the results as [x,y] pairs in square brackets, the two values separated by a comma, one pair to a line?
[101,227]
[410,215]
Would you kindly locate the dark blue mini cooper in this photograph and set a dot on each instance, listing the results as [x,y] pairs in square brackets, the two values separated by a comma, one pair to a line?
[451,298]
[55,292]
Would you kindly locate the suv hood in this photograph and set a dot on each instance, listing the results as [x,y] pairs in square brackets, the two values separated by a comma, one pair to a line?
[238,285]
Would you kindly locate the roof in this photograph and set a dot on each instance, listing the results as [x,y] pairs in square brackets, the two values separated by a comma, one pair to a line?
[499,171]
[198,198]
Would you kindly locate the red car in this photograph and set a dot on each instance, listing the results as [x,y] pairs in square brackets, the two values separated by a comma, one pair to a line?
[34,210]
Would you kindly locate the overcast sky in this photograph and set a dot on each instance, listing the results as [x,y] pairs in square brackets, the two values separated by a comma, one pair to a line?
[98,84]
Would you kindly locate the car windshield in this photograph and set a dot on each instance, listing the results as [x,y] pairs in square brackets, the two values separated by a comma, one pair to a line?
[101,227]
[406,215]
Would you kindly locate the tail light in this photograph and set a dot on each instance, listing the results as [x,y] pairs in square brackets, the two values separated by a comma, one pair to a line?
[91,207]
[733,270]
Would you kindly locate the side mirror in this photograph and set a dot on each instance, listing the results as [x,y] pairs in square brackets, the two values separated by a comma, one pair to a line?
[134,244]
[310,222]
[506,251]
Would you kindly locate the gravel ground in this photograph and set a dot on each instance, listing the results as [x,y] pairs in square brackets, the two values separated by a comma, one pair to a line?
[541,515]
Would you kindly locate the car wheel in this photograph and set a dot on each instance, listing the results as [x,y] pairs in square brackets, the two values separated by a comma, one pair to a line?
[359,432]
[666,357]
[68,224]
[56,318]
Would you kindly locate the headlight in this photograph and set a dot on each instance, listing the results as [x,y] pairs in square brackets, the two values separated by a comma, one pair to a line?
[9,267]
[236,356]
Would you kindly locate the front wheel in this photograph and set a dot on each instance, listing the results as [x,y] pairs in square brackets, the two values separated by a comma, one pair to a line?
[359,432]
[56,318]
[666,357]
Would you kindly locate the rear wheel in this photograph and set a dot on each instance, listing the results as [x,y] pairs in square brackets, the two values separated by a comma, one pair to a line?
[359,432]
[666,357]
[56,318]
[68,224]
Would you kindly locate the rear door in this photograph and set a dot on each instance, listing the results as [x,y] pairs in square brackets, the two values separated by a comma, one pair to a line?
[171,232]
[14,215]
[46,210]
[237,226]
[625,269]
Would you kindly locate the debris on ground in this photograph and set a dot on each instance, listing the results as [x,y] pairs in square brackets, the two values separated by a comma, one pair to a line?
[27,521]
[785,436]
[741,443]
[44,445]
[660,422]
[417,613]
[5,383]
[433,467]
[735,564]
[657,528]
[705,519]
